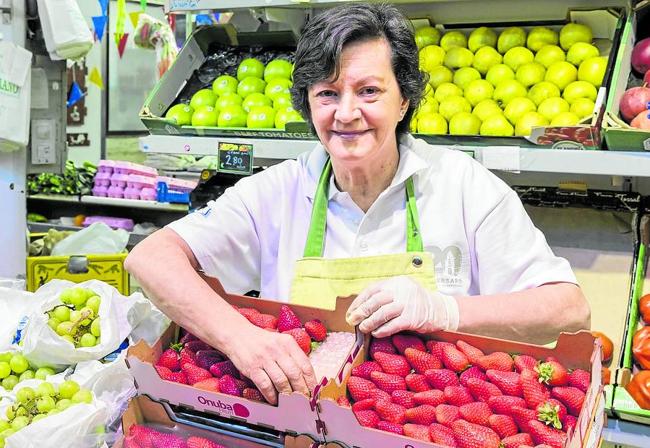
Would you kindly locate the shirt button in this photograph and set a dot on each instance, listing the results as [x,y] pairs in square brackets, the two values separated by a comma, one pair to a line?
[363,246]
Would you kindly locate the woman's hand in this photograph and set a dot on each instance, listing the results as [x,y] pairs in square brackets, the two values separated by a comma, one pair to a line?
[273,361]
[401,303]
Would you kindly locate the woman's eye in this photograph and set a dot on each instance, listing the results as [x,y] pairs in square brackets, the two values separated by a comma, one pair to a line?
[326,93]
[369,91]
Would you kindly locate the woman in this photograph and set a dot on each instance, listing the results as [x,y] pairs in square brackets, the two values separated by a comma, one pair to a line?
[339,219]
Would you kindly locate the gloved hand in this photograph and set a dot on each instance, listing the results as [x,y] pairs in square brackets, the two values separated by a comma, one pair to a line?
[401,303]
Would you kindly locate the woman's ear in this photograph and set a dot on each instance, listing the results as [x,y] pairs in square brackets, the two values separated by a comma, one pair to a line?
[403,108]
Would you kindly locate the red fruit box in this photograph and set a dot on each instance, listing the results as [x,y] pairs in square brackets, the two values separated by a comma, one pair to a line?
[579,350]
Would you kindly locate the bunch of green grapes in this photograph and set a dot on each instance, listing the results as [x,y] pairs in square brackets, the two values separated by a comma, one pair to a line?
[77,320]
[15,368]
[33,405]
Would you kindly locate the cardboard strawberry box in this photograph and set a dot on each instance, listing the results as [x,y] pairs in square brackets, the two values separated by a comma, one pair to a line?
[574,351]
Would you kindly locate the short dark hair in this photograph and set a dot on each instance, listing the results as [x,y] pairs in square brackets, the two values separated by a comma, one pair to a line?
[324,36]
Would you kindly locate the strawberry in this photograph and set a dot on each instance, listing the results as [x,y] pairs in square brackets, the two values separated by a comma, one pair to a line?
[441,378]
[360,388]
[187,337]
[458,395]
[419,432]
[265,321]
[205,358]
[435,347]
[496,361]
[316,330]
[222,368]
[164,440]
[343,401]
[248,313]
[287,319]
[470,435]
[424,414]
[169,359]
[368,418]
[524,362]
[478,413]
[581,379]
[187,357]
[390,427]
[432,397]
[200,442]
[391,412]
[142,435]
[553,373]
[168,375]
[534,392]
[195,373]
[569,423]
[384,345]
[517,440]
[195,346]
[388,382]
[454,359]
[379,394]
[302,338]
[503,425]
[522,417]
[363,370]
[571,397]
[442,435]
[229,386]
[393,364]
[209,384]
[472,353]
[503,403]
[472,372]
[552,412]
[402,341]
[542,434]
[403,397]
[508,382]
[482,390]
[129,442]
[364,405]
[421,361]
[252,393]
[416,382]
[446,414]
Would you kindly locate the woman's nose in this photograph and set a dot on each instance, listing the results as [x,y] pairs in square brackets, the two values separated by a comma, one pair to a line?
[347,109]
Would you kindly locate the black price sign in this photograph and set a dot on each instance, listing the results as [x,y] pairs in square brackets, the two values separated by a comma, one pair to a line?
[235,158]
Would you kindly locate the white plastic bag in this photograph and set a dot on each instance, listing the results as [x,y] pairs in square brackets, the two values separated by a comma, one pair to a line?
[15,96]
[118,316]
[97,238]
[65,30]
[15,306]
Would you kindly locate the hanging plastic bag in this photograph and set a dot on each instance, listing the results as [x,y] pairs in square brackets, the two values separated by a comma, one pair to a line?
[15,94]
[65,30]
[97,238]
[153,34]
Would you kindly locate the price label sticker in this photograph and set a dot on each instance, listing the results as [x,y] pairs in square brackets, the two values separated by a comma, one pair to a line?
[235,158]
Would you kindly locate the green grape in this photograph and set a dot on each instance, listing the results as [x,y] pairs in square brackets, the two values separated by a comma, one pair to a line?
[5,357]
[6,433]
[19,423]
[53,411]
[38,417]
[98,341]
[18,363]
[53,322]
[26,375]
[45,390]
[10,382]
[4,424]
[68,388]
[43,372]
[78,297]
[100,429]
[88,314]
[62,313]
[63,404]
[2,441]
[93,303]
[65,328]
[89,293]
[82,396]
[45,404]
[95,328]
[68,338]
[25,395]
[22,411]
[75,316]
[10,413]
[5,369]
[87,340]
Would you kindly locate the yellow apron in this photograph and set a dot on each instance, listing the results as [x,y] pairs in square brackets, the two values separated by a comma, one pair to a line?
[319,281]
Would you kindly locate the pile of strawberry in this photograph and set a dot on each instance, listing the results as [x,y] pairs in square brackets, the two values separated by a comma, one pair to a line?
[141,436]
[192,361]
[456,396]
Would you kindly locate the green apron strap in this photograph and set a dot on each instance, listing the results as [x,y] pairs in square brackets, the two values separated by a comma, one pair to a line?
[315,244]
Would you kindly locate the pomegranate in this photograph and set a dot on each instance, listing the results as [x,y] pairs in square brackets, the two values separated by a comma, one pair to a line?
[641,56]
[642,121]
[634,100]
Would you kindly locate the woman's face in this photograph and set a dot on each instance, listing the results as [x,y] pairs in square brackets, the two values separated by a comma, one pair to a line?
[355,116]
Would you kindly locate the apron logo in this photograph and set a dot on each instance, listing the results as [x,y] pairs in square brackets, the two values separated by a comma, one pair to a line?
[447,261]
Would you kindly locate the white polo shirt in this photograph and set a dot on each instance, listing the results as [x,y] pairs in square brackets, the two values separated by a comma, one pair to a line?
[482,240]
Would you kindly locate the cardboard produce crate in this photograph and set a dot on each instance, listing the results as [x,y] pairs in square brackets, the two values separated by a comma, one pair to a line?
[619,136]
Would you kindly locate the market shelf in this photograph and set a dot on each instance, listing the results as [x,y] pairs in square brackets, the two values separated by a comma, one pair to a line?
[116,202]
[628,434]
[42,227]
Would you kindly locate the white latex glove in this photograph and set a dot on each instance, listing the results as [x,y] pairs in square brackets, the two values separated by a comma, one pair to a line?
[401,303]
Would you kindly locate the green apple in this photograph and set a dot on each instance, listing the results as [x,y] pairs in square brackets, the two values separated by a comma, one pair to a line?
[477,91]
[540,91]
[256,100]
[565,119]
[486,108]
[453,105]
[530,74]
[205,116]
[426,35]
[453,39]
[223,84]
[228,99]
[439,75]
[447,89]
[278,69]
[203,97]
[528,121]
[276,87]
[582,107]
[283,116]
[430,57]
[498,73]
[250,67]
[261,117]
[232,117]
[579,89]
[572,33]
[463,76]
[282,101]
[593,70]
[510,38]
[496,126]
[540,36]
[430,91]
[432,124]
[550,107]
[517,107]
[481,37]
[518,56]
[413,125]
[549,54]
[580,51]
[250,85]
[507,90]
[486,58]
[181,114]
[428,105]
[561,74]
[464,123]
[458,57]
